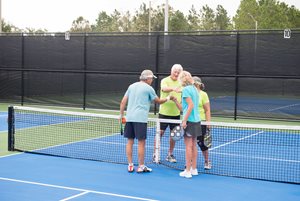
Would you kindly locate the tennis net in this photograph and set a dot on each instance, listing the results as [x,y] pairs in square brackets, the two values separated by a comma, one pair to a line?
[265,152]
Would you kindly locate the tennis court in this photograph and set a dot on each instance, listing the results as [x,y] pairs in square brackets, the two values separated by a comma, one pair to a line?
[40,177]
[35,177]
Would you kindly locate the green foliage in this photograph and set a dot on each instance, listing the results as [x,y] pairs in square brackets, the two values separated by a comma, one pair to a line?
[9,28]
[222,20]
[140,20]
[178,22]
[207,18]
[158,18]
[81,25]
[109,23]
[245,15]
[193,19]
[269,14]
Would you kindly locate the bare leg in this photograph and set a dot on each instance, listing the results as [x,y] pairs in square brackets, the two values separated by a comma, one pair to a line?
[141,151]
[129,146]
[188,152]
[194,153]
[172,146]
[205,155]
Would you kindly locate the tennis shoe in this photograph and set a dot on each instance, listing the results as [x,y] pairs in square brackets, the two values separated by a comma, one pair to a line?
[207,165]
[143,168]
[171,158]
[154,158]
[186,174]
[194,172]
[130,168]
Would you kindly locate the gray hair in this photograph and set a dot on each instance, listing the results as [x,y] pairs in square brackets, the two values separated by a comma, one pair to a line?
[176,67]
[198,82]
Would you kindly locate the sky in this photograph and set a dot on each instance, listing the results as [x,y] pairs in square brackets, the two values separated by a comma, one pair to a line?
[58,15]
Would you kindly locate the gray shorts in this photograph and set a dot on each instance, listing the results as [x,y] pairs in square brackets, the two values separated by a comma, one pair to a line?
[193,129]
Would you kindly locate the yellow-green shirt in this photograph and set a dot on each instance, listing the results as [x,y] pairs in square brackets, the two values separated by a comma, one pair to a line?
[169,108]
[203,100]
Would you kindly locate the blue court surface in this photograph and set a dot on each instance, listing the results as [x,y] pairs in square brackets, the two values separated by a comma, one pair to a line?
[36,177]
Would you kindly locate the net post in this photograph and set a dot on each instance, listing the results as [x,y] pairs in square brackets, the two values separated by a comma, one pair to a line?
[157,142]
[11,128]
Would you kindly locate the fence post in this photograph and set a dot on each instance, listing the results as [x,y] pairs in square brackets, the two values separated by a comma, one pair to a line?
[236,74]
[22,72]
[156,69]
[84,73]
[11,128]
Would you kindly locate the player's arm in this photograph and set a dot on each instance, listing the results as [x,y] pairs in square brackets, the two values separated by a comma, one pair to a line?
[161,100]
[177,103]
[188,112]
[123,105]
[206,107]
[168,89]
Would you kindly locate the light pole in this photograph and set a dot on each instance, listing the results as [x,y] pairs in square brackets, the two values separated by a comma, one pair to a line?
[255,40]
[0,18]
[166,29]
[167,16]
[149,20]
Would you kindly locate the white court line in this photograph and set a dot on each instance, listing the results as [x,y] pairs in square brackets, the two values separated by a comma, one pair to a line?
[75,189]
[75,196]
[222,145]
[278,108]
[257,157]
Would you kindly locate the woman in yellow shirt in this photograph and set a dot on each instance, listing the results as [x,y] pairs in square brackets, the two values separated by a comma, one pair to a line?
[204,110]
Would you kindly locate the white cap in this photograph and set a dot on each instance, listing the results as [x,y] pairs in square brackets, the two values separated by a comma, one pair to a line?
[146,74]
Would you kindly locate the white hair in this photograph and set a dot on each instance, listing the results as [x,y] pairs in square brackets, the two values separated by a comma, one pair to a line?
[176,67]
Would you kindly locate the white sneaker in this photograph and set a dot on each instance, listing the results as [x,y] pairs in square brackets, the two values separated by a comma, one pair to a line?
[143,168]
[194,172]
[186,174]
[207,165]
[171,158]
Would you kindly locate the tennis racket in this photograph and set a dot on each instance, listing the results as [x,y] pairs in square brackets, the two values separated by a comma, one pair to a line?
[177,133]
[122,121]
[207,138]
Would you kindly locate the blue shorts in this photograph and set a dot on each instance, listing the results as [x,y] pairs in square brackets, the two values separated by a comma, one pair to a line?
[135,130]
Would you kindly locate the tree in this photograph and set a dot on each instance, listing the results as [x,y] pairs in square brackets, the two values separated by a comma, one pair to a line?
[140,19]
[270,14]
[294,17]
[193,19]
[106,23]
[157,18]
[207,18]
[178,22]
[80,25]
[8,28]
[222,21]
[32,30]
[125,23]
[243,19]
